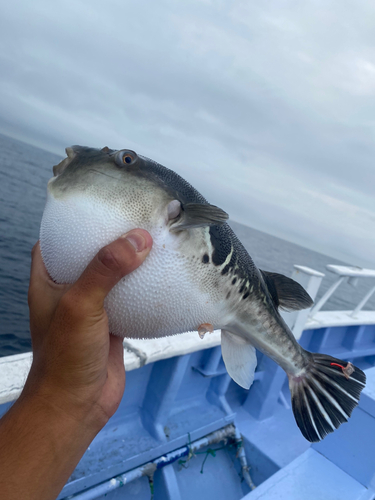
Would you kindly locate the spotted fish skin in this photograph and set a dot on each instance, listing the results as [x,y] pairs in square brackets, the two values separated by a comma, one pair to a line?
[197,273]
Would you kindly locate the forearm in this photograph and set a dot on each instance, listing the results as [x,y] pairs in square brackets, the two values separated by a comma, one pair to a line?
[40,445]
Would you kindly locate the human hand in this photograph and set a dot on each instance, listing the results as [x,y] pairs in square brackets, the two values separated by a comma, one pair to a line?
[77,365]
[77,377]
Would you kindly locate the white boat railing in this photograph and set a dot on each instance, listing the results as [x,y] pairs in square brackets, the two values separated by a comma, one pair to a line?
[314,317]
[352,274]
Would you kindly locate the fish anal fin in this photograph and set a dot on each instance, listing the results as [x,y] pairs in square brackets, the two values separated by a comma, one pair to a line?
[286,293]
[239,357]
[199,215]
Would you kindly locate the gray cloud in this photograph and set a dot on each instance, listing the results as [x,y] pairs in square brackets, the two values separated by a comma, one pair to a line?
[268,108]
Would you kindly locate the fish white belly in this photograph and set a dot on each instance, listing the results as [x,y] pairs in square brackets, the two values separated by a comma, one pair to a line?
[172,292]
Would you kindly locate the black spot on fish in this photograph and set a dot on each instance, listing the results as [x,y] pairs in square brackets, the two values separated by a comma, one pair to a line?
[242,289]
[205,258]
[228,295]
[234,281]
[246,295]
[225,270]
[220,243]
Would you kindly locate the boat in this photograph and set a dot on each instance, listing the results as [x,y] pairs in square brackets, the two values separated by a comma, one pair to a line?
[185,431]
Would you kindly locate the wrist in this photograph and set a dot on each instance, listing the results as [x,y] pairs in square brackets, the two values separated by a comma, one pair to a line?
[45,442]
[61,404]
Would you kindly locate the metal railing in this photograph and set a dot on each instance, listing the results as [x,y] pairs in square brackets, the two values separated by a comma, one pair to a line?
[352,274]
[311,280]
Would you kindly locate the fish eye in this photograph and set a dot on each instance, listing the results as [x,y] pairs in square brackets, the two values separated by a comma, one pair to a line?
[126,157]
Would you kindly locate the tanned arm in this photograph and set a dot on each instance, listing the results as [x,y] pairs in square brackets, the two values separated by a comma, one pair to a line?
[77,376]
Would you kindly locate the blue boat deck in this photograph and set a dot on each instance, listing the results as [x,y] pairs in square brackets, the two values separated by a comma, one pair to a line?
[172,403]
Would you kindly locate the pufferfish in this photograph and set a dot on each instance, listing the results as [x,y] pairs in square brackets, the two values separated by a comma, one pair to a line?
[198,276]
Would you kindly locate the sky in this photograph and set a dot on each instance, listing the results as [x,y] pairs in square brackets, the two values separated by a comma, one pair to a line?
[267,108]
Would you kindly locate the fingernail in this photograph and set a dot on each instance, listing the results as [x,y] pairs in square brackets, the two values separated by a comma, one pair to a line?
[137,240]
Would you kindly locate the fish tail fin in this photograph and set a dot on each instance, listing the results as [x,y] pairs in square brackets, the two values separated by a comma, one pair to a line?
[324,396]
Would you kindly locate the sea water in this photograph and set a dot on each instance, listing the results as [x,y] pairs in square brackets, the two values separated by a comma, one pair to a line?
[24,173]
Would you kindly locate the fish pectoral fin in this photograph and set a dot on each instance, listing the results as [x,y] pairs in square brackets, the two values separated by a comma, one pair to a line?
[286,293]
[239,357]
[199,215]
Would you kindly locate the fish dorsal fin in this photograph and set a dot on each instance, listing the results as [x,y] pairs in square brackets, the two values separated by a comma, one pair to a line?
[196,215]
[239,357]
[286,293]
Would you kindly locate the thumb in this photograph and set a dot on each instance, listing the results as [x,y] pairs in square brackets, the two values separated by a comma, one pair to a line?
[111,263]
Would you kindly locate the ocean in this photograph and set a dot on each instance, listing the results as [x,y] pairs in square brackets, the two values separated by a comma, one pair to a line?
[24,173]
